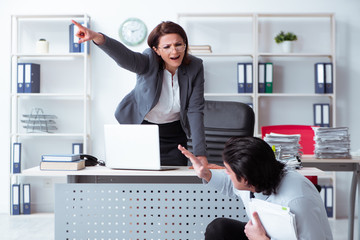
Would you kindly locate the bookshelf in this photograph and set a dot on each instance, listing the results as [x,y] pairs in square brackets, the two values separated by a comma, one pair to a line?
[64,92]
[249,38]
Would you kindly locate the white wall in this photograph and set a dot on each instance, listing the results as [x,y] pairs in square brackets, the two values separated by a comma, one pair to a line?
[110,83]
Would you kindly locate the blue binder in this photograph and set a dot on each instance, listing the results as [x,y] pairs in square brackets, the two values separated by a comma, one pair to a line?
[15,199]
[319,78]
[26,199]
[77,148]
[261,81]
[325,111]
[241,77]
[249,78]
[329,201]
[74,45]
[32,78]
[20,78]
[16,158]
[329,78]
[318,121]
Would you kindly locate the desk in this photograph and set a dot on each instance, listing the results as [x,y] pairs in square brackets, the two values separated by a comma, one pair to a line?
[340,165]
[177,206]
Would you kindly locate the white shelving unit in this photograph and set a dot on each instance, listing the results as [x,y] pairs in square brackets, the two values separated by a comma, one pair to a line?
[249,37]
[64,90]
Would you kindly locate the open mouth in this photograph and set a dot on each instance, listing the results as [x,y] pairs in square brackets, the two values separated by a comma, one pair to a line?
[175,58]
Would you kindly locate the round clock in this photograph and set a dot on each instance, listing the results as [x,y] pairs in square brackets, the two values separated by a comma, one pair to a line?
[133,31]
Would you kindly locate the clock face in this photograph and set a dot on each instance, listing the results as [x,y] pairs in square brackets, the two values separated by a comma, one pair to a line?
[133,31]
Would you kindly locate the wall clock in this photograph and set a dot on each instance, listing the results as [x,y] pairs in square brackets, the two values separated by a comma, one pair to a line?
[133,31]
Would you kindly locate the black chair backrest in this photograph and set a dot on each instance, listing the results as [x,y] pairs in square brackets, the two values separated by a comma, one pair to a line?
[223,120]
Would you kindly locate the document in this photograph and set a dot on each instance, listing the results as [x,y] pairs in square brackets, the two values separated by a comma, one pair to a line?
[278,221]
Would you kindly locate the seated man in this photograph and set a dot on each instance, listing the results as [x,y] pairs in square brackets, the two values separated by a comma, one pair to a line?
[251,165]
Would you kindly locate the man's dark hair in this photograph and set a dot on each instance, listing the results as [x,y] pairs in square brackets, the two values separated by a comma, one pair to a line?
[253,159]
[166,28]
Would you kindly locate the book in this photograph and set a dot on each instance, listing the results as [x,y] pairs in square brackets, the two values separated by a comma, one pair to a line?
[66,166]
[60,158]
[200,49]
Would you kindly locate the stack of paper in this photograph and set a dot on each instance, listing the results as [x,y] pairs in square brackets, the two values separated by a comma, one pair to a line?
[286,148]
[278,222]
[331,142]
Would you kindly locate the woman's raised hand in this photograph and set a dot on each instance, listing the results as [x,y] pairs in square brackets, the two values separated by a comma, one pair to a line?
[86,34]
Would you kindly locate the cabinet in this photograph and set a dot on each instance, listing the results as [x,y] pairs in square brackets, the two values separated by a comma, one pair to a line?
[64,91]
[249,38]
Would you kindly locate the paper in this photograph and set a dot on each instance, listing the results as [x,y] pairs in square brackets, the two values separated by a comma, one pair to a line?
[278,221]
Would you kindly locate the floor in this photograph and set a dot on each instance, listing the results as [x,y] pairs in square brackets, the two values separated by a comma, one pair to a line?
[41,227]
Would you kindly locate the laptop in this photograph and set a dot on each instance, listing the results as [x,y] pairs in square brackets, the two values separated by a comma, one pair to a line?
[133,147]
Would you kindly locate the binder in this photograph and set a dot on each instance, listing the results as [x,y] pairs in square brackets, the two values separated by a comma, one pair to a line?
[74,45]
[261,84]
[269,78]
[319,78]
[329,201]
[325,111]
[77,148]
[26,199]
[249,78]
[318,115]
[15,199]
[241,77]
[20,78]
[32,78]
[328,78]
[16,158]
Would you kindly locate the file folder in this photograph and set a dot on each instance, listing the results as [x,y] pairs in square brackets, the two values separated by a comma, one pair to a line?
[319,78]
[241,77]
[249,78]
[20,78]
[261,84]
[32,78]
[77,148]
[269,78]
[16,158]
[329,196]
[328,78]
[15,199]
[325,115]
[318,115]
[26,199]
[278,222]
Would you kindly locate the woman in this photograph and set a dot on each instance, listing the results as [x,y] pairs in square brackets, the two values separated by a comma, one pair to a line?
[169,89]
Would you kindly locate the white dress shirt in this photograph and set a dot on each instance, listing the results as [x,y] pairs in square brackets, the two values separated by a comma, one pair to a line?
[295,192]
[168,108]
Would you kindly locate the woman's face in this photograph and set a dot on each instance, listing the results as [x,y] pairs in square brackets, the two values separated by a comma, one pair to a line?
[172,50]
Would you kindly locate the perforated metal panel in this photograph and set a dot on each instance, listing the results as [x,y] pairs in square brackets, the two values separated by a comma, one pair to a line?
[139,211]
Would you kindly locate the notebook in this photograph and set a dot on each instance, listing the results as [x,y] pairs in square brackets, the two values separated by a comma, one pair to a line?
[133,146]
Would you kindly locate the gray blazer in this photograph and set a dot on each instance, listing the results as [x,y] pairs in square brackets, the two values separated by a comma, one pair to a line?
[149,75]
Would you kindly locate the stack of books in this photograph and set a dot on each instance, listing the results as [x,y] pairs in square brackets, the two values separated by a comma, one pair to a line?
[62,162]
[200,49]
[286,148]
[332,142]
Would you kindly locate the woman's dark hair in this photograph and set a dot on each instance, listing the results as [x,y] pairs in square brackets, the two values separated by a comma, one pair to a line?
[253,159]
[166,28]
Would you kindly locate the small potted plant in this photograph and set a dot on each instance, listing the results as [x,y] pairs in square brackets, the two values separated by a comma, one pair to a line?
[286,40]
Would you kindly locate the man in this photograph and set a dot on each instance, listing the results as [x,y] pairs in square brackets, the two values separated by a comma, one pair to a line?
[252,169]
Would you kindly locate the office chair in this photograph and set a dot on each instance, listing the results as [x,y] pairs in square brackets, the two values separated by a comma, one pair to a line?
[223,120]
